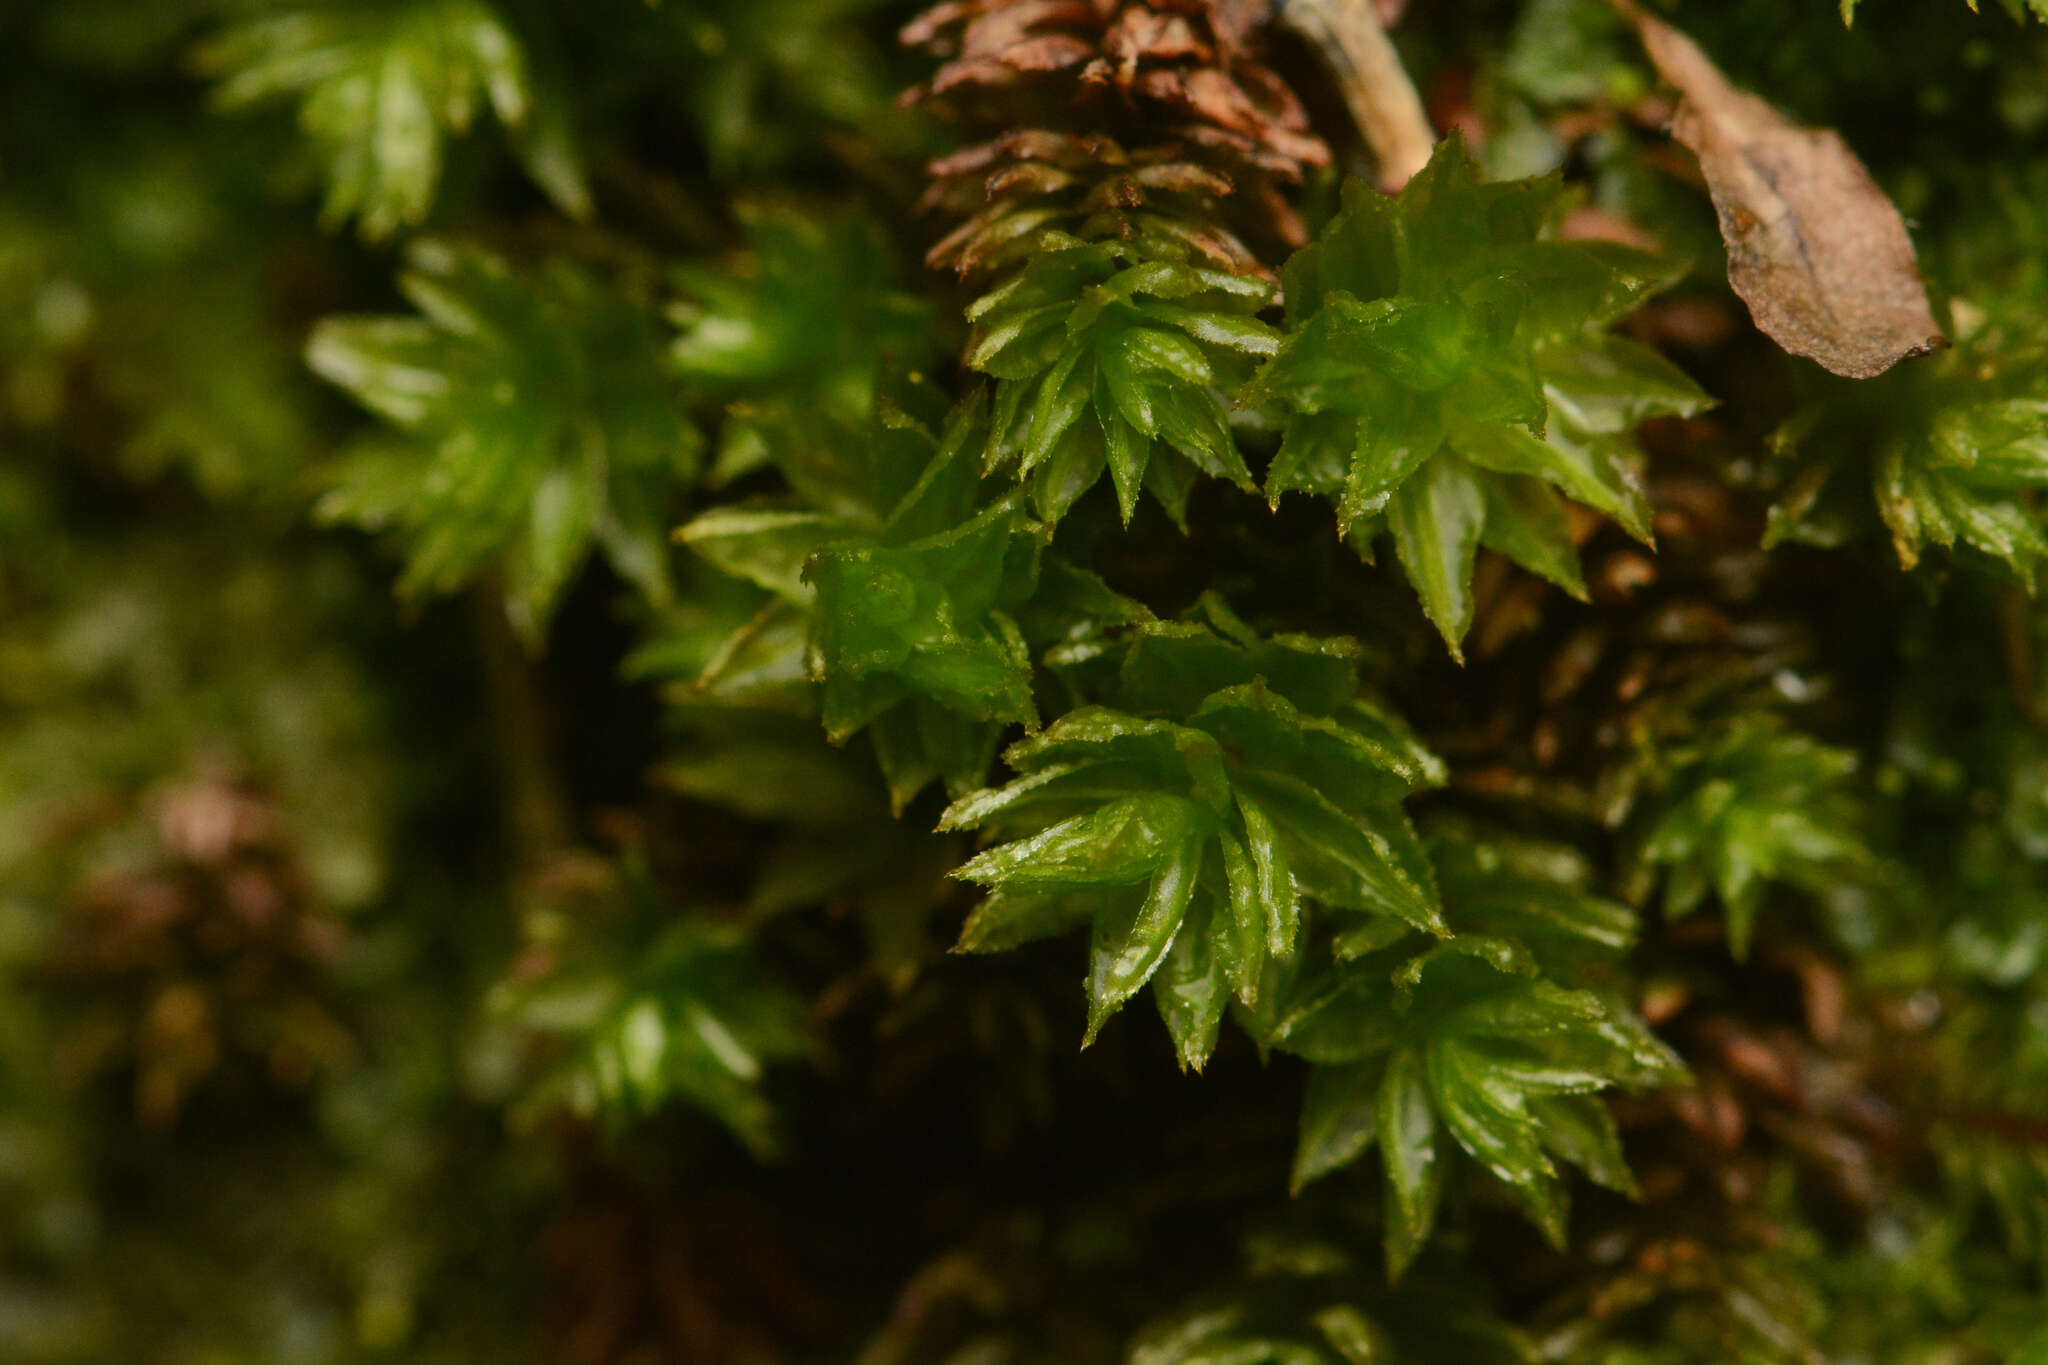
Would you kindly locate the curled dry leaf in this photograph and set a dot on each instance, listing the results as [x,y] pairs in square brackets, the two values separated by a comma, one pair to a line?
[1815,249]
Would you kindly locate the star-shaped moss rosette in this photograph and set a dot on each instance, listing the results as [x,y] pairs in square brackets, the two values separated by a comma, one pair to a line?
[1955,452]
[1469,1041]
[1232,777]
[533,424]
[1754,805]
[892,584]
[807,313]
[661,1011]
[1113,356]
[1309,1301]
[1448,376]
[1488,1037]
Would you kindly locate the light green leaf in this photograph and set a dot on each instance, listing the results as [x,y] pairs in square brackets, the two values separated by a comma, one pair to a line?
[1193,986]
[1406,1127]
[1339,1121]
[1129,948]
[1436,519]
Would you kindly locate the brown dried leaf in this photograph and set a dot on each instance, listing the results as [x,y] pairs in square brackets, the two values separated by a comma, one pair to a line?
[1027,177]
[1218,246]
[1184,177]
[1286,223]
[980,238]
[1052,52]
[1029,144]
[1141,34]
[996,26]
[1234,20]
[928,26]
[1815,249]
[1215,97]
[1115,192]
[1236,147]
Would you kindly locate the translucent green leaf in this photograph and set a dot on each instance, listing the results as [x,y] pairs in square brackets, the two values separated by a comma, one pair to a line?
[1607,384]
[1436,520]
[922,619]
[768,547]
[559,532]
[1339,1121]
[1244,932]
[1488,1117]
[1193,987]
[1579,1129]
[1141,338]
[1455,349]
[1406,1127]
[1527,522]
[1273,887]
[1589,469]
[1062,397]
[1755,805]
[689,1016]
[806,314]
[1122,844]
[1337,860]
[1003,921]
[1129,947]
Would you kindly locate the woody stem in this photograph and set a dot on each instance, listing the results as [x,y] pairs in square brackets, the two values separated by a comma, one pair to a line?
[1383,100]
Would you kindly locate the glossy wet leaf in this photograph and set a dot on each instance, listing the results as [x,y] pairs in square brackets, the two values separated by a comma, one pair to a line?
[1193,836]
[1442,352]
[1110,360]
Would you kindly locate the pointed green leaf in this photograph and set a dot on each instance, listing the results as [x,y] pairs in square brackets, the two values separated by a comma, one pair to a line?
[1406,1127]
[1273,887]
[1338,860]
[765,546]
[1486,1113]
[1526,521]
[1130,944]
[1003,921]
[1579,1129]
[1193,987]
[1124,843]
[1339,1121]
[1436,520]
[1063,394]
[1243,933]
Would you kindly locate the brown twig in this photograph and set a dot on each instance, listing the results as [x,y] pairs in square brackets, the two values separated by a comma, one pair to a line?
[1354,44]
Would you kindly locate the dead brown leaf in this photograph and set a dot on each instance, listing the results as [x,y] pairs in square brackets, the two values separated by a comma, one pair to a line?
[1815,249]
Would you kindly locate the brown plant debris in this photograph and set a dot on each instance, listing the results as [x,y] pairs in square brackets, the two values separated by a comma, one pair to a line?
[1815,249]
[211,951]
[1207,138]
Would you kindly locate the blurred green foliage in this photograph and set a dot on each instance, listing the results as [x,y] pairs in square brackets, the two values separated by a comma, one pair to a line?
[570,721]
